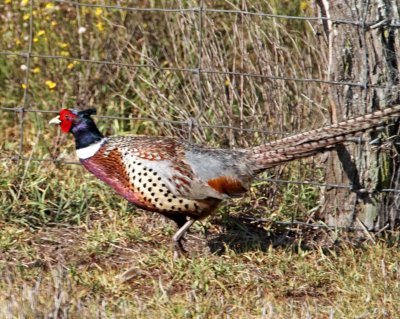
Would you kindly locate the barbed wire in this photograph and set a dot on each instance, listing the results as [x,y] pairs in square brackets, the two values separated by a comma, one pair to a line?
[195,70]
[200,10]
[269,180]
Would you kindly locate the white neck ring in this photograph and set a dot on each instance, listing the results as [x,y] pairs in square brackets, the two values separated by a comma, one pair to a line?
[89,151]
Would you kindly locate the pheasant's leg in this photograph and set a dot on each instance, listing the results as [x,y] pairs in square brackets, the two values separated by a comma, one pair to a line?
[176,239]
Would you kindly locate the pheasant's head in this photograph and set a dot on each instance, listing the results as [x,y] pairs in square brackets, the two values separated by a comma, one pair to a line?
[80,124]
[70,119]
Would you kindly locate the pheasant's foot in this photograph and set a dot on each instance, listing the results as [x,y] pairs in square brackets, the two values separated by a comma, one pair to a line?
[178,237]
[179,250]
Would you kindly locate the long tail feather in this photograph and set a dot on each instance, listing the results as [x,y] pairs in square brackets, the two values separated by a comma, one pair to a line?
[319,140]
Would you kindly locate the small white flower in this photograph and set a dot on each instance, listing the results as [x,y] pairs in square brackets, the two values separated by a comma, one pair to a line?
[81,30]
[26,38]
[24,67]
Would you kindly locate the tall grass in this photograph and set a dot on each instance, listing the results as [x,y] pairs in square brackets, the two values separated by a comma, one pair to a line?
[229,43]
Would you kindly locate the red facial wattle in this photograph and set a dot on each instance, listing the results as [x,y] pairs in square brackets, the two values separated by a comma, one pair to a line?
[66,118]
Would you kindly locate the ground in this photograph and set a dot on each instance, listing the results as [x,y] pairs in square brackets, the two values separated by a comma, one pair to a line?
[235,268]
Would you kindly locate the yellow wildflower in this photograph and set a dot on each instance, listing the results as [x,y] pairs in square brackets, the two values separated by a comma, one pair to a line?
[40,33]
[72,64]
[98,12]
[17,41]
[64,53]
[23,86]
[100,26]
[53,23]
[63,45]
[50,84]
[26,16]
[24,2]
[227,82]
[7,1]
[49,5]
[304,5]
[35,39]
[36,70]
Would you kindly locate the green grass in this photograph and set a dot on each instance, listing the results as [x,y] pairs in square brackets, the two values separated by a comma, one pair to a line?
[62,253]
[278,282]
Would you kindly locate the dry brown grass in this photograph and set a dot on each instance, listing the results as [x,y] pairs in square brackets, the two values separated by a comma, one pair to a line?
[62,254]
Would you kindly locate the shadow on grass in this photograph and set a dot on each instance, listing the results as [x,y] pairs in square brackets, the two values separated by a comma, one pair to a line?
[241,235]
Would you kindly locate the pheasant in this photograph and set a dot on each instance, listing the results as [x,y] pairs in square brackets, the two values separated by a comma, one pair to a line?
[186,182]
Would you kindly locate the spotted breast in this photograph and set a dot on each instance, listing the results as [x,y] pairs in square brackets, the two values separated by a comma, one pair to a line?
[150,177]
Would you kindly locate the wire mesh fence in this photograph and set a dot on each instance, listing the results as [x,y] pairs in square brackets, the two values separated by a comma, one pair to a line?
[200,16]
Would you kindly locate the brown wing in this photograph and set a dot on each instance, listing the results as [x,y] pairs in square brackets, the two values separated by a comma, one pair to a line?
[188,171]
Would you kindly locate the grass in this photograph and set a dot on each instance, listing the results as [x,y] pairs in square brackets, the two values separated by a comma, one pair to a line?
[62,255]
[65,238]
[62,277]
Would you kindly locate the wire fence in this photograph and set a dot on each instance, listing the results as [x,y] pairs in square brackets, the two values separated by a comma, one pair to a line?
[200,10]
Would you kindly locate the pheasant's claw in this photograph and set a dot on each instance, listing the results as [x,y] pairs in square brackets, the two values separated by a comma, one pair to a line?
[179,250]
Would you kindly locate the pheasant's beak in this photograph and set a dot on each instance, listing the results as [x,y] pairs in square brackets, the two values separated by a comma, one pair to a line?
[55,120]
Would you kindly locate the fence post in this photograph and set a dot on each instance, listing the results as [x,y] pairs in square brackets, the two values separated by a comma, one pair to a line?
[370,55]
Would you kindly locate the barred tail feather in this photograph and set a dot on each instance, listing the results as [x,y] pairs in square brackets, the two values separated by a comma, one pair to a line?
[318,140]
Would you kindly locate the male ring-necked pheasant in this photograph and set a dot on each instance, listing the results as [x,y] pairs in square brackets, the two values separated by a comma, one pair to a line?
[186,182]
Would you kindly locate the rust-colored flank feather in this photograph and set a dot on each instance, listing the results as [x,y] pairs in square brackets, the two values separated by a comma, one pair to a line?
[227,185]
